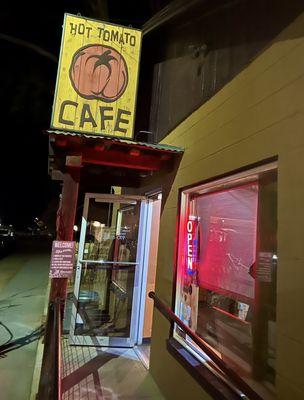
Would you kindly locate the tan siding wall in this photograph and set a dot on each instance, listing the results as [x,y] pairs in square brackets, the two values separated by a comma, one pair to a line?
[258,115]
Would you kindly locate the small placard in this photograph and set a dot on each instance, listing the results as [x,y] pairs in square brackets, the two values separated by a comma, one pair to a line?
[264,268]
[62,259]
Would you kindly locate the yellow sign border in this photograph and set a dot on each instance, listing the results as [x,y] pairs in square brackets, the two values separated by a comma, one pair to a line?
[100,133]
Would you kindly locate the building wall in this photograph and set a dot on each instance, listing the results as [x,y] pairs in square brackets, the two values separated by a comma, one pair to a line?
[257,115]
[192,57]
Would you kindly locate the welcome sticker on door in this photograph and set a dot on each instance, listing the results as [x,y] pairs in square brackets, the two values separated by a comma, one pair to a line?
[97,78]
[62,259]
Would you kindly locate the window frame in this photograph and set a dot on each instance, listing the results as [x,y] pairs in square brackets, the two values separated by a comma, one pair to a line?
[229,180]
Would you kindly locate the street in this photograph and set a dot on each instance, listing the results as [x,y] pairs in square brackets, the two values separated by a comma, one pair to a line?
[23,284]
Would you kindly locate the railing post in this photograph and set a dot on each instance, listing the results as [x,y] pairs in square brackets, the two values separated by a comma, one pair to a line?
[50,378]
[57,348]
[65,223]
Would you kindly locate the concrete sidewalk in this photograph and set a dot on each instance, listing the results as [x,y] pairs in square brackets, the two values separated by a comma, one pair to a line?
[23,283]
[95,373]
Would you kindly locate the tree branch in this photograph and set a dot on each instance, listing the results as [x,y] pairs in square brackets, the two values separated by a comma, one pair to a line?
[32,46]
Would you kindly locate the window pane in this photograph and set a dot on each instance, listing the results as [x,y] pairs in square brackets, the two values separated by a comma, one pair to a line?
[227,222]
[105,299]
[227,276]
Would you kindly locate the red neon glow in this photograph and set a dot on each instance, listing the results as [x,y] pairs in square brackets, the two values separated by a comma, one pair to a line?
[192,242]
[228,222]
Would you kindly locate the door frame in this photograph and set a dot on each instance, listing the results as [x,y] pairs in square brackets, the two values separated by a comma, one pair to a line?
[150,196]
[85,340]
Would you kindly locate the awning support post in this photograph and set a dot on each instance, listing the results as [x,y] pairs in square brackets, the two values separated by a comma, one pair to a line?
[65,223]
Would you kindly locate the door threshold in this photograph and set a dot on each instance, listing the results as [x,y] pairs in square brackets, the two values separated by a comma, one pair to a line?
[143,354]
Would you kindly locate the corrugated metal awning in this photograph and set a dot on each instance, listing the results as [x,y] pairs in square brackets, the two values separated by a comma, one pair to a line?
[161,147]
[104,151]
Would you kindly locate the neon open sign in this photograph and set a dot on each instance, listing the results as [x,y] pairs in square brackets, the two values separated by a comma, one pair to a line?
[191,245]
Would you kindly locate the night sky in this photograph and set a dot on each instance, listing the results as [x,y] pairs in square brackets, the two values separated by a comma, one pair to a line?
[27,82]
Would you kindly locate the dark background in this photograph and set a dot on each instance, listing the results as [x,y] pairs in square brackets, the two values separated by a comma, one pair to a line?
[186,61]
[27,82]
[173,68]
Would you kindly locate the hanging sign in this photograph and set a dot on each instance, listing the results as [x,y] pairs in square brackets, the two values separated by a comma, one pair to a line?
[190,297]
[62,259]
[97,78]
[192,244]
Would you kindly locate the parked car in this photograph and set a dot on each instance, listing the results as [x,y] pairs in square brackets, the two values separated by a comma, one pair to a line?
[7,239]
[39,229]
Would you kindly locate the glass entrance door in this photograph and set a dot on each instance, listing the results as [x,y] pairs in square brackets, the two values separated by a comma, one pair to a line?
[108,274]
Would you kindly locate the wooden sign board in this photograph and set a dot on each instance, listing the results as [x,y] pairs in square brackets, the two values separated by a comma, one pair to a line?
[97,78]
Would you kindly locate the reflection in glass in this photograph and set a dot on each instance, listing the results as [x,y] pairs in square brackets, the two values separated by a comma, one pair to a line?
[227,273]
[109,264]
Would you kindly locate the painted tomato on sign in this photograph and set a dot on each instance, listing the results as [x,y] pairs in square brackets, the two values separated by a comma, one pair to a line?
[99,72]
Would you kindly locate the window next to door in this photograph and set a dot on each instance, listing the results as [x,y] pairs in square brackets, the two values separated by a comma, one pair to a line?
[226,275]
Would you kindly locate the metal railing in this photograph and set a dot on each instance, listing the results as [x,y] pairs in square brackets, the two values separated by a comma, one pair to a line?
[232,376]
[50,378]
[57,349]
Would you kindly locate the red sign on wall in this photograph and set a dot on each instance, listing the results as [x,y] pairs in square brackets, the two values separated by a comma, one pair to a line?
[62,260]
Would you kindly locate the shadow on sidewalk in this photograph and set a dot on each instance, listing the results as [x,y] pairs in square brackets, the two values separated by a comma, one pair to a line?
[91,367]
[12,345]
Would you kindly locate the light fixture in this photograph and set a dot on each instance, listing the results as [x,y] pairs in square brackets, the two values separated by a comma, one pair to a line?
[134,153]
[96,224]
